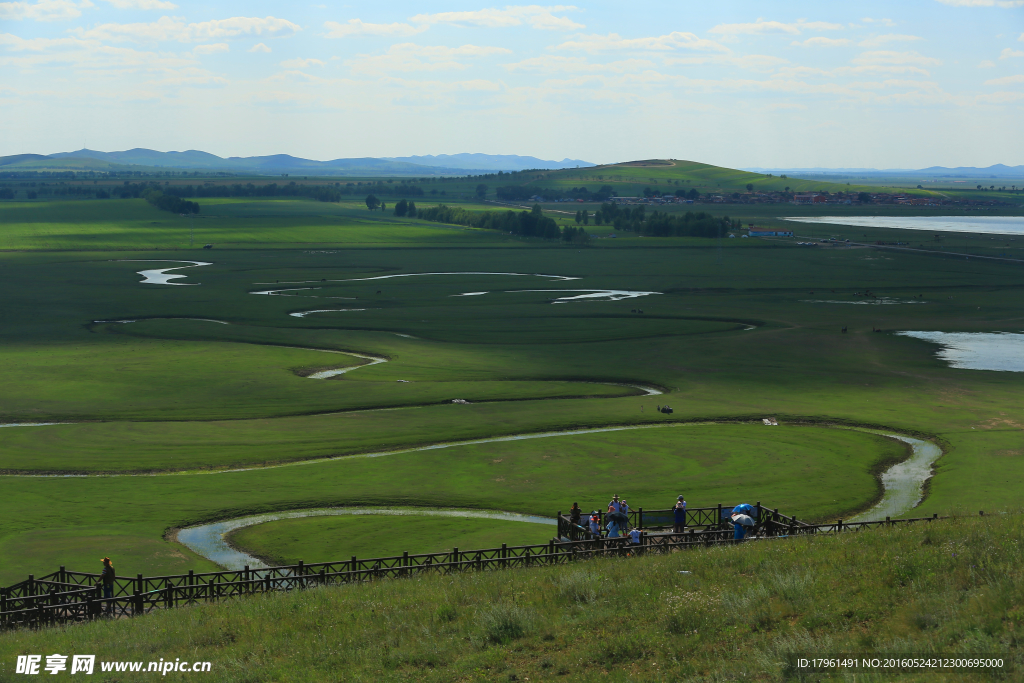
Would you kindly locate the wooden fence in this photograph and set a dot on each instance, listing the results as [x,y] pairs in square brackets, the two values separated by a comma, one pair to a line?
[68,596]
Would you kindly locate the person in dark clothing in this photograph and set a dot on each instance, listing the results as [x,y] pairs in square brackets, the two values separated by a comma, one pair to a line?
[574,514]
[107,581]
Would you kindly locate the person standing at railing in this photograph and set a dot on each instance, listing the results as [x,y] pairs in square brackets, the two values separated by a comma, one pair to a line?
[574,514]
[107,581]
[614,504]
[624,508]
[679,516]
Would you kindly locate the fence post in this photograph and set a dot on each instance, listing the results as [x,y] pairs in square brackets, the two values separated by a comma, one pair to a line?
[640,520]
[3,604]
[981,513]
[63,575]
[405,563]
[560,525]
[301,572]
[551,551]
[839,525]
[455,559]
[504,555]
[888,522]
[354,565]
[718,519]
[758,506]
[31,584]
[323,576]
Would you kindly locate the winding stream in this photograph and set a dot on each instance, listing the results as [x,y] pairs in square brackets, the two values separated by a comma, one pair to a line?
[161,276]
[209,540]
[903,484]
[904,481]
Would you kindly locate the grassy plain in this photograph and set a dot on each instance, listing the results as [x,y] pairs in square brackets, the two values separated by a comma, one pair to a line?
[947,588]
[287,541]
[809,471]
[738,331]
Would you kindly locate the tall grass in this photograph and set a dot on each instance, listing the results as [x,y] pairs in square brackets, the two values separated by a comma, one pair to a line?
[948,587]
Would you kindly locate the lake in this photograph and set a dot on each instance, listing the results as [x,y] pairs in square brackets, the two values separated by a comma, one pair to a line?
[1003,351]
[992,225]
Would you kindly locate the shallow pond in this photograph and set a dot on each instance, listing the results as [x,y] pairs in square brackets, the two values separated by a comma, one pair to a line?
[1001,351]
[990,225]
[162,276]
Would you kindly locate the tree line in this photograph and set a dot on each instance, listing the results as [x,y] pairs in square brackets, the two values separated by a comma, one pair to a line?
[531,223]
[519,193]
[323,193]
[662,224]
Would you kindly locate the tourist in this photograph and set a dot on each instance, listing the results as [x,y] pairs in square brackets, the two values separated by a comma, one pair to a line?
[679,516]
[612,523]
[107,581]
[634,536]
[595,524]
[574,514]
[623,508]
[614,503]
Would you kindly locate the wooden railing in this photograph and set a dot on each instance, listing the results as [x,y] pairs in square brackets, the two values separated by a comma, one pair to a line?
[68,596]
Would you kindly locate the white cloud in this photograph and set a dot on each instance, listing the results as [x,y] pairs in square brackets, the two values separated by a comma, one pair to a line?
[883,22]
[210,49]
[301,63]
[983,3]
[535,16]
[558,63]
[1006,80]
[142,4]
[613,41]
[822,42]
[413,57]
[357,27]
[761,27]
[167,28]
[260,47]
[986,64]
[1001,97]
[1007,53]
[896,58]
[43,10]
[878,41]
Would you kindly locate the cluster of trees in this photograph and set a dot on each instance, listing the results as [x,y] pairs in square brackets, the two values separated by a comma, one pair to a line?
[661,224]
[518,193]
[170,203]
[526,223]
[684,194]
[324,193]
[405,208]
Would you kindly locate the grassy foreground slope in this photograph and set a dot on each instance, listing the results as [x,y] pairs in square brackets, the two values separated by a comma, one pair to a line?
[952,587]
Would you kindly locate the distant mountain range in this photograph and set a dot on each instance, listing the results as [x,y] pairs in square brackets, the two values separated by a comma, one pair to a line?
[995,171]
[277,164]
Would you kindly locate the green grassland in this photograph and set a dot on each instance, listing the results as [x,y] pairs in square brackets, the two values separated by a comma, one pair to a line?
[287,541]
[737,331]
[629,179]
[733,613]
[810,471]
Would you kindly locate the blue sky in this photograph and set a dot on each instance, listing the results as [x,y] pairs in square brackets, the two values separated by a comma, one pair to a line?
[840,84]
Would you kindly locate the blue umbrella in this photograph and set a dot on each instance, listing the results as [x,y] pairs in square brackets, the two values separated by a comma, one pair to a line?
[743,509]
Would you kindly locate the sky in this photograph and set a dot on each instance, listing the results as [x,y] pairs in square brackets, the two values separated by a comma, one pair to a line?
[904,84]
